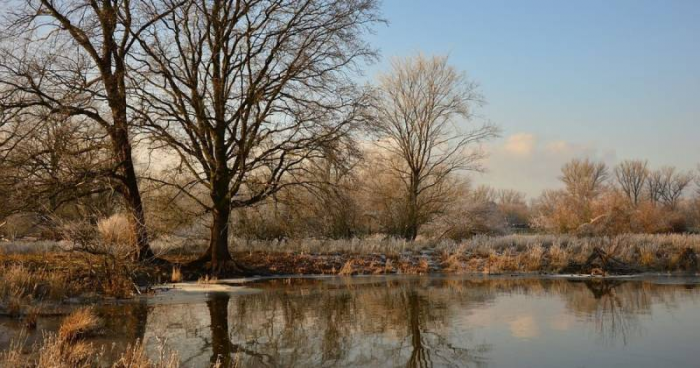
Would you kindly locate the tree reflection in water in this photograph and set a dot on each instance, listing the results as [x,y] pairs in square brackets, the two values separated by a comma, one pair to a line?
[428,346]
[616,307]
[412,322]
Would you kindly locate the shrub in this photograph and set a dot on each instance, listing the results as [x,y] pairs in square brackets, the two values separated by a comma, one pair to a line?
[115,233]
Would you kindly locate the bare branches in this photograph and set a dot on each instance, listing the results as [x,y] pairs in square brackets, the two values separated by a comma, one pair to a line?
[71,61]
[417,110]
[632,175]
[248,91]
[666,185]
[584,179]
[56,163]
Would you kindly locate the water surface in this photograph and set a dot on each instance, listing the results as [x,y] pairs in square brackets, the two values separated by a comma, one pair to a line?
[421,322]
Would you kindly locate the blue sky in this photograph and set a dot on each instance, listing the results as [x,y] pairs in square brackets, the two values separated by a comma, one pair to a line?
[609,79]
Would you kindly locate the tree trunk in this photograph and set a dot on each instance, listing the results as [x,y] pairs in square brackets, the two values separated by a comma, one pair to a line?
[218,243]
[126,174]
[412,225]
[218,253]
[129,189]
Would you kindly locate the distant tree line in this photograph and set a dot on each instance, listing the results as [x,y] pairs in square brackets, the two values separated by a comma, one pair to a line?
[630,198]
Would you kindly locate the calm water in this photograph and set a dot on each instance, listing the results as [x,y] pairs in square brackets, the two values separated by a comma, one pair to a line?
[420,322]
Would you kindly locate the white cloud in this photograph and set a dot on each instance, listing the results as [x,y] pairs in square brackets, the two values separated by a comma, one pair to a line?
[521,144]
[530,164]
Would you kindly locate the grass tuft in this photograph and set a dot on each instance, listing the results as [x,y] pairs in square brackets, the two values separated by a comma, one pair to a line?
[78,325]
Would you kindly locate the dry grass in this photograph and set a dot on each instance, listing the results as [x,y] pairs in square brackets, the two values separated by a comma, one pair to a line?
[136,357]
[31,317]
[480,254]
[70,349]
[115,234]
[14,355]
[347,269]
[30,278]
[78,325]
[176,275]
[23,289]
[56,353]
[206,279]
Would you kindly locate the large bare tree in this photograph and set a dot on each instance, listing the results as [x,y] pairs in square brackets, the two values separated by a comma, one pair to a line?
[420,105]
[71,58]
[632,175]
[246,91]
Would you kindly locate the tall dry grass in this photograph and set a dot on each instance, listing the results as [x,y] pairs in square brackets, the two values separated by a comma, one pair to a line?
[69,348]
[116,235]
[22,289]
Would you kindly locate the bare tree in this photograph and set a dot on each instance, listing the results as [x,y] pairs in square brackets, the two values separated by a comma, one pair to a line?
[330,199]
[584,180]
[632,175]
[667,185]
[654,186]
[53,164]
[70,58]
[512,204]
[8,135]
[418,107]
[245,92]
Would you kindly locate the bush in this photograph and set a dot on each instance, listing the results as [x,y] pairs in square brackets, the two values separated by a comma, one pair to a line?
[115,231]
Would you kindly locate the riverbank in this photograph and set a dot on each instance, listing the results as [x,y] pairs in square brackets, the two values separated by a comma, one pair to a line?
[44,273]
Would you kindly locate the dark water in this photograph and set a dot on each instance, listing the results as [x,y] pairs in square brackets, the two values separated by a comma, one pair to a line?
[420,322]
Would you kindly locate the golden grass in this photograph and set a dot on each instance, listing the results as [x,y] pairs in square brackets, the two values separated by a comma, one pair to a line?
[31,317]
[23,289]
[347,269]
[480,254]
[136,357]
[176,275]
[78,325]
[56,353]
[115,233]
[206,279]
[70,349]
[30,278]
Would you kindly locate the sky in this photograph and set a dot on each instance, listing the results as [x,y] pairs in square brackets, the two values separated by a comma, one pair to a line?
[609,80]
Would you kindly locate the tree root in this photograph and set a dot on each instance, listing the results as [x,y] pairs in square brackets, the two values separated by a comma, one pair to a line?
[230,268]
[601,260]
